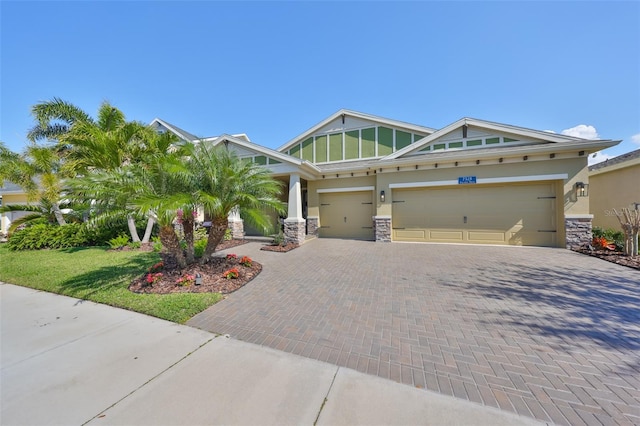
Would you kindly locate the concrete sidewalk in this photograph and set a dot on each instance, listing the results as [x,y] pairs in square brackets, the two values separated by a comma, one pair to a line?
[65,361]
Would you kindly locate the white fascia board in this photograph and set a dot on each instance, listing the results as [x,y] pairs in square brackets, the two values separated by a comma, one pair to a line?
[480,181]
[424,141]
[488,125]
[521,131]
[259,148]
[350,189]
[355,114]
[170,128]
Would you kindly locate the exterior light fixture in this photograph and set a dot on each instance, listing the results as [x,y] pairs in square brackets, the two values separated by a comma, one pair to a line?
[382,196]
[582,189]
[198,279]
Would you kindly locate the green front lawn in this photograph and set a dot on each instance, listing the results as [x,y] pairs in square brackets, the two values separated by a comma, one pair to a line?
[101,276]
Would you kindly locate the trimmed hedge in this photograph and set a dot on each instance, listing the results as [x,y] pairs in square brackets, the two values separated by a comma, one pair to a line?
[47,236]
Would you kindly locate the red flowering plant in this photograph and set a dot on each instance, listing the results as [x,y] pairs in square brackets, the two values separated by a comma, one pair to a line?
[231,273]
[186,280]
[154,278]
[232,256]
[157,267]
[246,261]
[601,243]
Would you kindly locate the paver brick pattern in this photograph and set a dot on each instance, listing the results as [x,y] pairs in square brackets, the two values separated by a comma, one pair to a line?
[545,333]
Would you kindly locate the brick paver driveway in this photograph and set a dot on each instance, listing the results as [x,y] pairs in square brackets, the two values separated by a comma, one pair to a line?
[546,333]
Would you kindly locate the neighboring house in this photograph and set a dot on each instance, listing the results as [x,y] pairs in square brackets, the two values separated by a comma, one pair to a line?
[11,194]
[614,184]
[360,176]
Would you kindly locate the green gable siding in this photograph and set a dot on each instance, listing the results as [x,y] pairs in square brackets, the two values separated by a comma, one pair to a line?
[335,147]
[351,144]
[385,141]
[295,151]
[490,141]
[476,142]
[368,142]
[403,139]
[272,161]
[307,149]
[321,149]
[455,144]
[510,140]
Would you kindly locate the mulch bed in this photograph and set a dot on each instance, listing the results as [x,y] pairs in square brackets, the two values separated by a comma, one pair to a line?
[613,256]
[280,248]
[213,280]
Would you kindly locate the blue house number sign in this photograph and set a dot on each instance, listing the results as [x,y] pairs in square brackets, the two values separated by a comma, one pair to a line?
[466,179]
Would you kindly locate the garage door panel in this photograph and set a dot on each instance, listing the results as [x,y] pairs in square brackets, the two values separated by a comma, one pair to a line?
[446,235]
[488,236]
[519,214]
[411,234]
[346,215]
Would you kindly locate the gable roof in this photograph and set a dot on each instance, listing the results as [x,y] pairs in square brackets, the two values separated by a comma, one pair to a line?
[304,165]
[627,157]
[182,134]
[355,114]
[487,125]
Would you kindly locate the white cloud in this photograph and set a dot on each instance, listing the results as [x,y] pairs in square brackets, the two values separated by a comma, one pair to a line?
[583,131]
[598,157]
[636,138]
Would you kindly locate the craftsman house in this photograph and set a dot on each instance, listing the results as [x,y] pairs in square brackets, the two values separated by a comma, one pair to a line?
[360,176]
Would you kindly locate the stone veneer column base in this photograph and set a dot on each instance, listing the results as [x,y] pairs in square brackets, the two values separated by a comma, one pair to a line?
[578,230]
[382,228]
[312,225]
[294,231]
[237,229]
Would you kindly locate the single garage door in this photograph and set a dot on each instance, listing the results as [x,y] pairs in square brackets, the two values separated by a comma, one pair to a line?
[507,214]
[346,215]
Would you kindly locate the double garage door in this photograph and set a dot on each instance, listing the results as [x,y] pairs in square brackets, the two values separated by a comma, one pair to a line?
[507,214]
[347,215]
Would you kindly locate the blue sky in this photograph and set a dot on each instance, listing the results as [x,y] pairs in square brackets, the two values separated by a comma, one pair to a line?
[274,69]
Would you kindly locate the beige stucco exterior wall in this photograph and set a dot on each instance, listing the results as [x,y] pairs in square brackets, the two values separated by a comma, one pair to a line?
[616,188]
[575,168]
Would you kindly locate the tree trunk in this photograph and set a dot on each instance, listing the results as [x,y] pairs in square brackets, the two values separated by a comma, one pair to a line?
[171,254]
[147,232]
[187,228]
[219,226]
[58,214]
[131,223]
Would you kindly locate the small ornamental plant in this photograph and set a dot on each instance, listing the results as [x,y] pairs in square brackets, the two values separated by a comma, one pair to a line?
[186,280]
[232,256]
[246,261]
[601,243]
[157,267]
[154,278]
[231,274]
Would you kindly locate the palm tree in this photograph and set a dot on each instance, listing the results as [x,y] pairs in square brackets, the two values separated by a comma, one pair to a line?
[223,182]
[152,189]
[105,144]
[37,162]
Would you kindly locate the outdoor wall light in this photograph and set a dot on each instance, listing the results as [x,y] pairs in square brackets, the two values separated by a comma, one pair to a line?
[582,189]
[382,196]
[198,279]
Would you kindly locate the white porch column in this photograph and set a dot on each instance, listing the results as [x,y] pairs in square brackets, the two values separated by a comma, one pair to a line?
[294,224]
[236,224]
[295,198]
